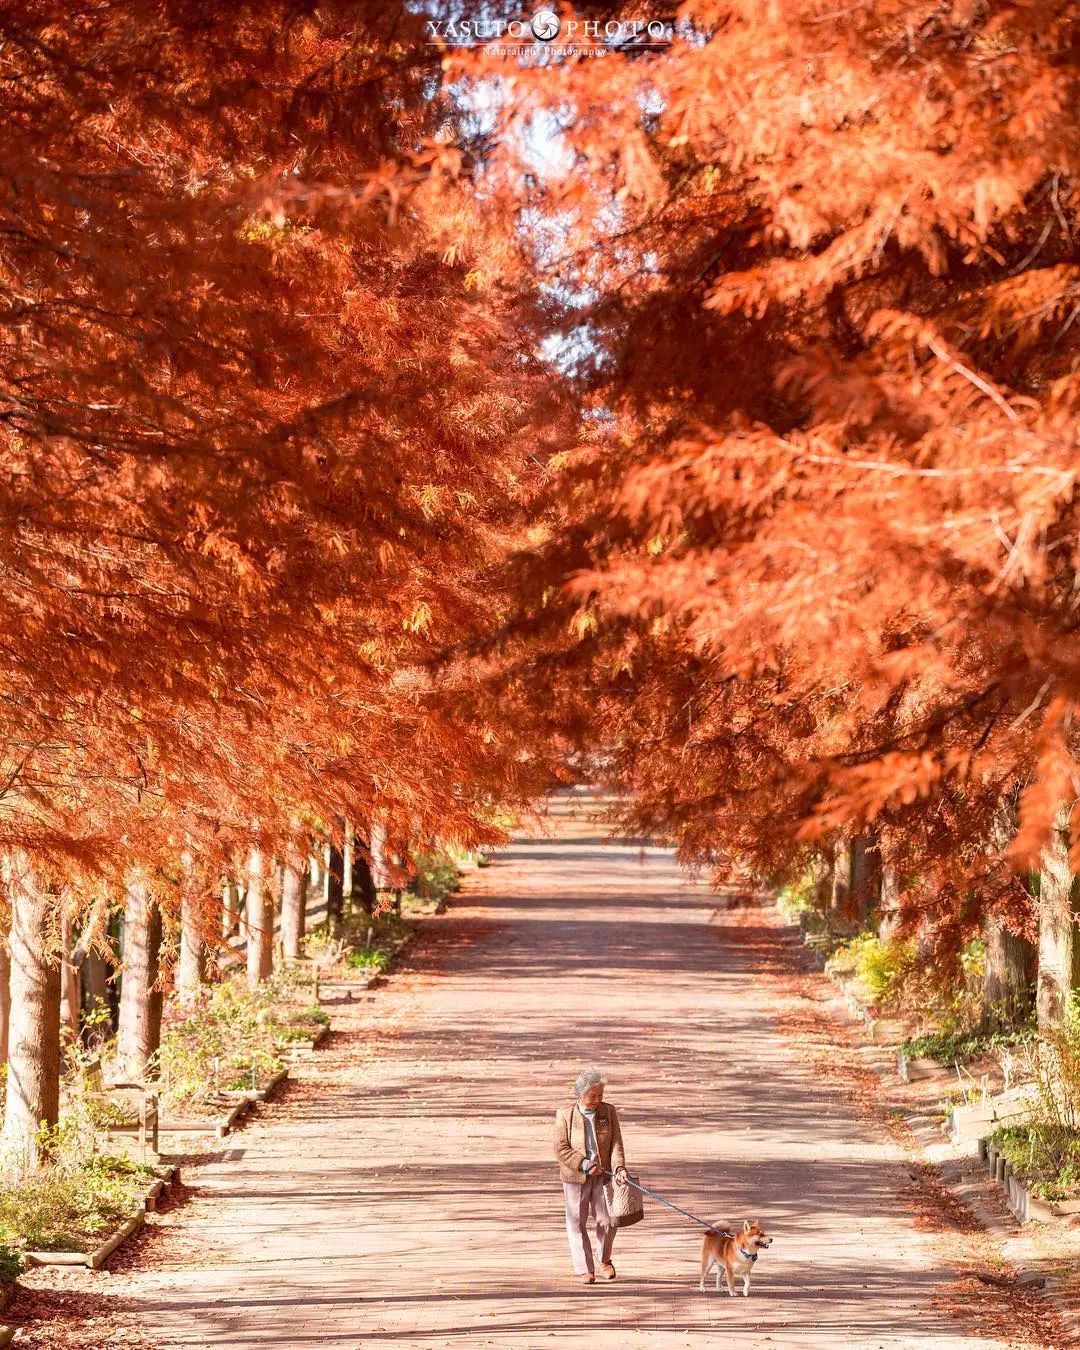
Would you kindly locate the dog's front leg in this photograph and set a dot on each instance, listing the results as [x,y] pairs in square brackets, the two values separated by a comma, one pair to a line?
[746,1286]
[730,1283]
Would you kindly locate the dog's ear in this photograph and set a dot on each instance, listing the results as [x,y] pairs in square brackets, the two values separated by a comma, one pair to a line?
[747,1225]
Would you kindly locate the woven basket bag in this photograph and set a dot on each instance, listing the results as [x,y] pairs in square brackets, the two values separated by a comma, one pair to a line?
[625,1204]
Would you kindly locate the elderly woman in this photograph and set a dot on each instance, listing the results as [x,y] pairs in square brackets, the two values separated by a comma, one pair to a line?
[588,1143]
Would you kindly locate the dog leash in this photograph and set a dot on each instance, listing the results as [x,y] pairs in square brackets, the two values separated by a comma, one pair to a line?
[721,1232]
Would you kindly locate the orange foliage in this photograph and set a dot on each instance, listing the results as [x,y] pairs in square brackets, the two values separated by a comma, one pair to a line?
[262,435]
[812,569]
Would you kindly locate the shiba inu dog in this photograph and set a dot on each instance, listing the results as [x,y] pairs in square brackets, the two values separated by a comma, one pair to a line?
[734,1254]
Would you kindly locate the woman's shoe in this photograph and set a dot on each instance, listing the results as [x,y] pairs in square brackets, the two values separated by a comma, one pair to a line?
[607,1270]
[587,1278]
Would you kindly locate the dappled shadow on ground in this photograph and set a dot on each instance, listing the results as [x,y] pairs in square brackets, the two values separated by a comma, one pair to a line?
[403,1188]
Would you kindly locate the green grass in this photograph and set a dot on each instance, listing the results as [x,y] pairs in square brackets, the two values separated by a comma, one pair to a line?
[302,1025]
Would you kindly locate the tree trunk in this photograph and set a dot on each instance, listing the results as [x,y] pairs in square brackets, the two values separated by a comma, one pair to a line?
[348,851]
[363,876]
[140,1000]
[95,982]
[230,908]
[823,880]
[889,906]
[1007,981]
[865,876]
[1056,927]
[243,916]
[334,887]
[293,900]
[259,921]
[70,983]
[33,1081]
[378,856]
[840,898]
[189,970]
[5,993]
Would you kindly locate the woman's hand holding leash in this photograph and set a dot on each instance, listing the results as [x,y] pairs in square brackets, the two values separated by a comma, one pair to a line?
[619,1174]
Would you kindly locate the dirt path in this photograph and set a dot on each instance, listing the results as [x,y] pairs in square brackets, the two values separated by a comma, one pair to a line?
[404,1192]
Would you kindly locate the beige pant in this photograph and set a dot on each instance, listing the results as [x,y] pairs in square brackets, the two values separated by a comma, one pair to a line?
[580,1200]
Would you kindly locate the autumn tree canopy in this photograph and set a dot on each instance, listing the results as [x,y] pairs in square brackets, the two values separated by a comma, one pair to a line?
[294,298]
[811,566]
[263,427]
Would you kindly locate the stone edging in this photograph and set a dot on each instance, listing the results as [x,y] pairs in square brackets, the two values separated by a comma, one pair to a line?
[259,1094]
[7,1331]
[218,1126]
[927,1134]
[90,1259]
[912,1068]
[160,1186]
[307,1044]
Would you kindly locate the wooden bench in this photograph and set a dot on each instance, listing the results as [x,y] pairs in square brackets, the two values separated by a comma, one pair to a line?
[145,1125]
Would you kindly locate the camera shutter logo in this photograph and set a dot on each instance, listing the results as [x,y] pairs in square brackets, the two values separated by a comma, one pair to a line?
[545,25]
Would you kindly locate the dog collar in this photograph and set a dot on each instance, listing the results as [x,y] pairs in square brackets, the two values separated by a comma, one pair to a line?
[747,1256]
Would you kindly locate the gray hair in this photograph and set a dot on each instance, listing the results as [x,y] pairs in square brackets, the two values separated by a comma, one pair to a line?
[588,1078]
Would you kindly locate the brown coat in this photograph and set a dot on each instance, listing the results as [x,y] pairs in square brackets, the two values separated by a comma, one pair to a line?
[570,1140]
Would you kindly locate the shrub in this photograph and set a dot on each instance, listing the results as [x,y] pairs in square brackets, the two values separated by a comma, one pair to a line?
[1045,1153]
[302,1025]
[368,958]
[956,1046]
[12,1264]
[437,874]
[215,1046]
[797,897]
[880,968]
[70,1208]
[1045,1160]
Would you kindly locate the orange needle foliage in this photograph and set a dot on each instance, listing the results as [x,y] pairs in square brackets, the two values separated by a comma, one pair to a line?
[262,432]
[813,567]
